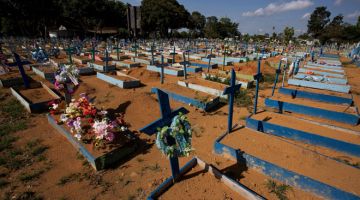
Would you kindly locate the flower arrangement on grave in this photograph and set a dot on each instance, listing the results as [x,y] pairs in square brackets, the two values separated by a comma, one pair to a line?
[66,78]
[176,139]
[89,124]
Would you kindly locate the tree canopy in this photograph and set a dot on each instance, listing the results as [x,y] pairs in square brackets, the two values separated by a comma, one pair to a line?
[320,26]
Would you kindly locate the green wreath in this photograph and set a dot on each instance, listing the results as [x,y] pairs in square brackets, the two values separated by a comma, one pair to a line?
[176,139]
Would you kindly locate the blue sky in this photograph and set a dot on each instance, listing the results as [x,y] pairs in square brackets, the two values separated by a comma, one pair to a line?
[260,16]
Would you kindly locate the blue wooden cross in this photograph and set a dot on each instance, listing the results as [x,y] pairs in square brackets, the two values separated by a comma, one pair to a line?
[162,68]
[185,62]
[117,50]
[278,71]
[70,51]
[173,55]
[106,60]
[257,77]
[93,51]
[166,118]
[20,64]
[209,57]
[152,54]
[135,47]
[230,91]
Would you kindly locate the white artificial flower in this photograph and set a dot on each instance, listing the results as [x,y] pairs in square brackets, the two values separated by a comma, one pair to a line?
[77,136]
[55,106]
[123,128]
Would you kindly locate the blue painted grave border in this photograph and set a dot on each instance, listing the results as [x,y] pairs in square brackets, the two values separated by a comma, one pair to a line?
[281,174]
[319,85]
[237,187]
[101,162]
[34,107]
[302,136]
[311,111]
[117,82]
[316,96]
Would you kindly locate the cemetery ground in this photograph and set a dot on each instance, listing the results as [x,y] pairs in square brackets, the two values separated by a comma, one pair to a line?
[36,162]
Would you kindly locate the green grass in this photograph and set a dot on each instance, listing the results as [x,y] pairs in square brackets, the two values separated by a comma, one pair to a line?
[38,150]
[268,78]
[25,177]
[69,178]
[279,190]
[3,183]
[243,98]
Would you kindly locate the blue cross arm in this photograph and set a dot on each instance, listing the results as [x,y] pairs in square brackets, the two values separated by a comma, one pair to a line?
[231,90]
[166,114]
[258,76]
[25,62]
[151,128]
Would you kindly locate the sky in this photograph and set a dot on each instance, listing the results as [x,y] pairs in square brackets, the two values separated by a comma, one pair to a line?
[260,16]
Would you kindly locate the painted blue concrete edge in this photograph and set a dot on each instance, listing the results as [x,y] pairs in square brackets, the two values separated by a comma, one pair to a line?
[187,100]
[303,136]
[166,70]
[69,137]
[100,162]
[117,82]
[316,96]
[311,111]
[319,85]
[151,128]
[291,178]
[169,181]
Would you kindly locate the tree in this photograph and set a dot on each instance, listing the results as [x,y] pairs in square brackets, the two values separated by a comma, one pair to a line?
[227,28]
[211,27]
[288,34]
[333,31]
[317,22]
[197,25]
[162,15]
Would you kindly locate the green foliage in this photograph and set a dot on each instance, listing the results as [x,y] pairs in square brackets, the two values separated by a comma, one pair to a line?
[288,34]
[162,15]
[222,28]
[243,98]
[30,18]
[318,20]
[24,177]
[278,190]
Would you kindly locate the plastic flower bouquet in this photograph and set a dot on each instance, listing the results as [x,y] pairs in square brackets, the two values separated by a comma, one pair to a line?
[89,124]
[66,78]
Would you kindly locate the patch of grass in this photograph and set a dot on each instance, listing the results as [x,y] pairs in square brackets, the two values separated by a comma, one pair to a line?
[279,190]
[243,98]
[69,178]
[29,195]
[14,164]
[14,109]
[12,126]
[24,177]
[6,142]
[268,78]
[3,183]
[32,143]
[155,167]
[2,161]
[38,150]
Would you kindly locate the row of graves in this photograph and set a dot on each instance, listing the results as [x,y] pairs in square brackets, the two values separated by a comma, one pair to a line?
[309,120]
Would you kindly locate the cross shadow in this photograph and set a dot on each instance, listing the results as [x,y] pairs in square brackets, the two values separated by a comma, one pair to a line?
[236,170]
[141,147]
[120,109]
